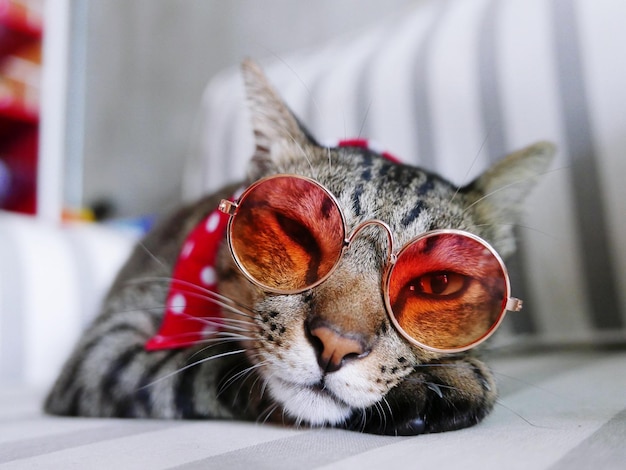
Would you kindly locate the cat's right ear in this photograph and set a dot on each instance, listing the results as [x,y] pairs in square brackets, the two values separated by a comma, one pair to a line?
[501,189]
[277,133]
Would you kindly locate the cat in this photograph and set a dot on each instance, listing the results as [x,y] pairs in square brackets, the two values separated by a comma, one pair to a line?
[268,362]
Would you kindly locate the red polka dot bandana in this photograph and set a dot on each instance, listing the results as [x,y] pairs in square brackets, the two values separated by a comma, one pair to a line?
[190,315]
[366,144]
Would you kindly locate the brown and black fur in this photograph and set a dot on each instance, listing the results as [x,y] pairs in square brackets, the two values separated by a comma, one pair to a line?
[325,357]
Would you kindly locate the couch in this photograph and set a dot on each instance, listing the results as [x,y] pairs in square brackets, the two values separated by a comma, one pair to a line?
[448,84]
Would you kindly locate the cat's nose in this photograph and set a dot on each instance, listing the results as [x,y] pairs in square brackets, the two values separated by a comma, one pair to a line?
[333,348]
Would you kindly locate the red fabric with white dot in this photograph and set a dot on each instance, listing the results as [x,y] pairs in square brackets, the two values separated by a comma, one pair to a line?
[190,314]
[367,144]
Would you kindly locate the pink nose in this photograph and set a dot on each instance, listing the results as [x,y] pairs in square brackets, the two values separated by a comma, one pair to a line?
[334,349]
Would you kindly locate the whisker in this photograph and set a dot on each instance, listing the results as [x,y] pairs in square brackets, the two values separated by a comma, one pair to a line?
[247,372]
[242,376]
[385,414]
[519,415]
[201,319]
[526,227]
[232,335]
[302,82]
[216,297]
[474,160]
[254,384]
[203,293]
[506,186]
[268,412]
[300,148]
[436,387]
[161,263]
[464,365]
[216,342]
[304,155]
[214,336]
[234,324]
[193,364]
[533,385]
[330,161]
[313,101]
[264,386]
[366,115]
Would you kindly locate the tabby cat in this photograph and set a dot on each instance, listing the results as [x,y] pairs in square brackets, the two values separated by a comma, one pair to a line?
[325,355]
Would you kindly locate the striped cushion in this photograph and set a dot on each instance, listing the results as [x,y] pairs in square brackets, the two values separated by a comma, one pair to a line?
[52,279]
[453,85]
[544,419]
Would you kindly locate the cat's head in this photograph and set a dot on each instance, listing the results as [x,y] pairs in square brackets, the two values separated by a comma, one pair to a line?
[332,349]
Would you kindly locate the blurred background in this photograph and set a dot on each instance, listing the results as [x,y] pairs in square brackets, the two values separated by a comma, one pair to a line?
[123,82]
[118,110]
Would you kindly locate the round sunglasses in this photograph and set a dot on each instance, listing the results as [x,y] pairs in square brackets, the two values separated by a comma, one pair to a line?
[445,290]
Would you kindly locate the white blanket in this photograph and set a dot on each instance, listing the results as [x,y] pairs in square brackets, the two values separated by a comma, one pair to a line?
[561,409]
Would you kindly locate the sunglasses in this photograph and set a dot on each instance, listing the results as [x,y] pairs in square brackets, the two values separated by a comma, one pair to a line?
[445,290]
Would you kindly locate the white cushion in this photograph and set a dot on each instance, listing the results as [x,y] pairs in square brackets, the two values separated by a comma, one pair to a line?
[52,279]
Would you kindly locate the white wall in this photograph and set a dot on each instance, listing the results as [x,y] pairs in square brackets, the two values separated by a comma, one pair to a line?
[138,69]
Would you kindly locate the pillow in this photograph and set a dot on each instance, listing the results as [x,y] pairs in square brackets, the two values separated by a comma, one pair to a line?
[52,279]
[453,86]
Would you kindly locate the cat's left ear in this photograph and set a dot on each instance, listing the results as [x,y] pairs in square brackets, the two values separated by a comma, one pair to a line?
[277,132]
[503,187]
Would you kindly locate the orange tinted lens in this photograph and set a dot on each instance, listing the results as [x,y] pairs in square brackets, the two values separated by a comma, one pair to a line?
[287,233]
[447,290]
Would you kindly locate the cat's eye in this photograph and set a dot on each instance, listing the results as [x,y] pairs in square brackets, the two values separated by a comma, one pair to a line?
[445,290]
[457,308]
[298,233]
[285,237]
[439,284]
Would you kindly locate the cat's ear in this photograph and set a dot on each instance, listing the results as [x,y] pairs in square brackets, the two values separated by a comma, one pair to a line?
[277,132]
[503,187]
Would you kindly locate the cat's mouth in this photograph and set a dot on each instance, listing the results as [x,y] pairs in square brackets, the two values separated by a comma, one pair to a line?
[320,388]
[313,404]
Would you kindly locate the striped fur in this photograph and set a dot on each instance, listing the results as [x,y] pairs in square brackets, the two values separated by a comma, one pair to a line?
[264,364]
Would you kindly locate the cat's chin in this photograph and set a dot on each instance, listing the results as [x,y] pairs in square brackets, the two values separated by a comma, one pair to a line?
[309,405]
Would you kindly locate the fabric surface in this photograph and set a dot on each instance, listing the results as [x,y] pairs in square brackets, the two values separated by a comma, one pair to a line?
[189,317]
[453,85]
[52,279]
[558,410]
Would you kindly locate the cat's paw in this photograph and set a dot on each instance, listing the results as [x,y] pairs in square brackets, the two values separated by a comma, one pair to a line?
[434,398]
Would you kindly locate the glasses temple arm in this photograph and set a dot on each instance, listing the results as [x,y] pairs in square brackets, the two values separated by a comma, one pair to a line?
[227,207]
[513,304]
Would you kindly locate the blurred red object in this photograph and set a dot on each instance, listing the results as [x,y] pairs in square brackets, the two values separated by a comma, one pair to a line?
[19,155]
[20,23]
[20,65]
